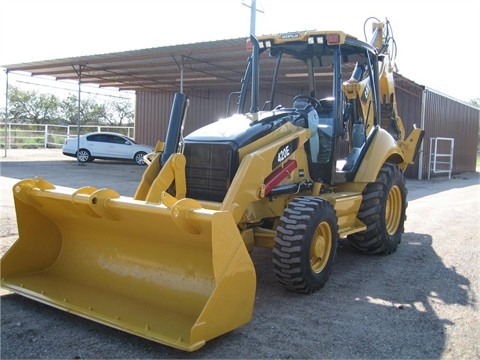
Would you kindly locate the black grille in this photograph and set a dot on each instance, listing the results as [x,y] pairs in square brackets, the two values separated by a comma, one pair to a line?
[210,170]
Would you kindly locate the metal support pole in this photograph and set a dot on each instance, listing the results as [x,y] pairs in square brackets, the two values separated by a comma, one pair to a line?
[6,110]
[421,150]
[181,67]
[181,74]
[79,74]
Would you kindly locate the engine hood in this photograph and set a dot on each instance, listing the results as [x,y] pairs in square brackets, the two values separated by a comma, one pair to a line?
[243,129]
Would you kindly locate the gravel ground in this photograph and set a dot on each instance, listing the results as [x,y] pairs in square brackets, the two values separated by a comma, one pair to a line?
[421,302]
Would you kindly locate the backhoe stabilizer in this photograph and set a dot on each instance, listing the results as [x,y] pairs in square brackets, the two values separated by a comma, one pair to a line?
[130,264]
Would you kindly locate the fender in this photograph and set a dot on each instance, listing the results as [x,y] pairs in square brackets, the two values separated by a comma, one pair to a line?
[382,148]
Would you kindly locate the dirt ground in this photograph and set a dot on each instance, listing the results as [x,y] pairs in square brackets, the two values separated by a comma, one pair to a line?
[421,302]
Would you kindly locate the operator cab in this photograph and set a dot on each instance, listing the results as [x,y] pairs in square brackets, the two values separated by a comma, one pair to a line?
[334,77]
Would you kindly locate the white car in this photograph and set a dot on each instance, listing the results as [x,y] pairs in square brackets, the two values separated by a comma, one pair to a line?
[105,145]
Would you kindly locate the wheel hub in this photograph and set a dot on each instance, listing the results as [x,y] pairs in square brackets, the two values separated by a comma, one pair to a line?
[320,247]
[393,211]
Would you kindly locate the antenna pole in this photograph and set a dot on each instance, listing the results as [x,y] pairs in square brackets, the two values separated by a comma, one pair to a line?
[253,15]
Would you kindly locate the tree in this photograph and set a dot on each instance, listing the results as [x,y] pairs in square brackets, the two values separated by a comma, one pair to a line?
[33,107]
[91,112]
[120,112]
[475,102]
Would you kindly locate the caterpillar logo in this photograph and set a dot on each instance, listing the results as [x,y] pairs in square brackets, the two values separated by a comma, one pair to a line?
[284,152]
[290,36]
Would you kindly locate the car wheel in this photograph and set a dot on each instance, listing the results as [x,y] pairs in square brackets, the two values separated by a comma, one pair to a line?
[138,158]
[83,156]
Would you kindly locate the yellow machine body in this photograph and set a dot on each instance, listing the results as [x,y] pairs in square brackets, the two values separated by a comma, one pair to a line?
[172,263]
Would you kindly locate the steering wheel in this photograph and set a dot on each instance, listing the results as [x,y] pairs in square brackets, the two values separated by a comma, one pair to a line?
[311,100]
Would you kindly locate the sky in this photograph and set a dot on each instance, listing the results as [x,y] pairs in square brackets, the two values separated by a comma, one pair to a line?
[438,42]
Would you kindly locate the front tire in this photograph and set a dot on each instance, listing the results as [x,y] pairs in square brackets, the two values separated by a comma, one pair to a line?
[306,244]
[138,158]
[383,210]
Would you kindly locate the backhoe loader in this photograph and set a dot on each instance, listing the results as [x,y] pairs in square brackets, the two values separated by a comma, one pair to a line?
[322,159]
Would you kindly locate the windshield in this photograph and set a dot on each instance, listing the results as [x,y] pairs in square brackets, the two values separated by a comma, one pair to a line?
[287,71]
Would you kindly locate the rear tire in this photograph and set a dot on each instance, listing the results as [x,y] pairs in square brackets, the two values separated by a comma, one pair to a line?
[84,156]
[383,210]
[306,244]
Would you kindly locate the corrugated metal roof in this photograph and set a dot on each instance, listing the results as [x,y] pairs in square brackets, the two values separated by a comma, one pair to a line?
[212,64]
[206,65]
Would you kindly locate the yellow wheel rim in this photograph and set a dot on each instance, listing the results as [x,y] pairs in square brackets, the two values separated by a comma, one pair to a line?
[393,211]
[321,247]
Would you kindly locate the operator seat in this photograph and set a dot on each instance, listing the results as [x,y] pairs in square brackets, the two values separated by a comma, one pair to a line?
[327,107]
[320,122]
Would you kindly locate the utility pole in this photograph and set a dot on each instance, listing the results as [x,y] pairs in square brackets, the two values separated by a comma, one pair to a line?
[253,15]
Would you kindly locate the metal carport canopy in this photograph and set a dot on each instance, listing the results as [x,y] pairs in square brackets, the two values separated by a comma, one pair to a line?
[207,64]
[217,64]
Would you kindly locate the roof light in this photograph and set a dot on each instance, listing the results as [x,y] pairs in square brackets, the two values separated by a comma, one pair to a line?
[315,40]
[262,44]
[333,39]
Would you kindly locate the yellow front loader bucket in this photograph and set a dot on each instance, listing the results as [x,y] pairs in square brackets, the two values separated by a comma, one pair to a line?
[178,275]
